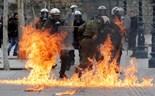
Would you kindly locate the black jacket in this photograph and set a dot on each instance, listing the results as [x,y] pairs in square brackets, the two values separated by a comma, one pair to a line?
[77,35]
[53,25]
[134,22]
[13,27]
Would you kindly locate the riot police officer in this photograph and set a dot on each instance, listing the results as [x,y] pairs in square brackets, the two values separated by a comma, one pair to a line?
[77,22]
[69,18]
[101,11]
[73,8]
[53,23]
[90,41]
[42,19]
[117,38]
[76,36]
[117,12]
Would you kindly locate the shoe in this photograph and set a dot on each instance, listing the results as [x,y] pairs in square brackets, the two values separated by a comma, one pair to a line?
[63,76]
[78,70]
[15,54]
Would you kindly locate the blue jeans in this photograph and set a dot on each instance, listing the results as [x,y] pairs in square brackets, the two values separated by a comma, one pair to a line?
[14,41]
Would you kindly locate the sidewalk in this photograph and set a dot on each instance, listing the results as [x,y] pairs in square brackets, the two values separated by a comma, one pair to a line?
[18,90]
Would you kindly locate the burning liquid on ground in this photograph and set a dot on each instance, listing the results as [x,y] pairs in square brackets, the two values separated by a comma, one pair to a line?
[40,48]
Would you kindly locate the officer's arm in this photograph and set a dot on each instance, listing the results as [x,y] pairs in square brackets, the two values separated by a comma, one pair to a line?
[82,27]
[94,28]
[46,25]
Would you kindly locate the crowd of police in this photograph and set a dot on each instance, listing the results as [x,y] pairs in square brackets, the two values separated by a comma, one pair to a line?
[88,35]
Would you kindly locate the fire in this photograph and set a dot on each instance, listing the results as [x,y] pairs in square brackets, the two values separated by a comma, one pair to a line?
[120,24]
[38,88]
[40,49]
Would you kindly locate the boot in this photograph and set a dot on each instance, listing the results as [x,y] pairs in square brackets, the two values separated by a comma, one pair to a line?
[15,54]
[78,70]
[63,76]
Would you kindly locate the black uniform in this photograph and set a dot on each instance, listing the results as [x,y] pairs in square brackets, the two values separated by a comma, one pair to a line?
[41,21]
[115,33]
[77,37]
[53,25]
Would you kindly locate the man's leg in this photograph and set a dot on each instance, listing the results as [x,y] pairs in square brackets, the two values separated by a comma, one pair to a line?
[15,53]
[87,51]
[11,45]
[64,61]
[134,35]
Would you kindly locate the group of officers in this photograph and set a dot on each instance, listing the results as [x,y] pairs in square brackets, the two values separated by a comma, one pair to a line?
[88,35]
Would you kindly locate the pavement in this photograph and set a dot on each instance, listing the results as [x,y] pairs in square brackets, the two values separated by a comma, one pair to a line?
[18,71]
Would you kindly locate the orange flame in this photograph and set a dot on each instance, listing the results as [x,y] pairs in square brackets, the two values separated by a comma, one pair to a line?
[120,24]
[40,49]
[38,88]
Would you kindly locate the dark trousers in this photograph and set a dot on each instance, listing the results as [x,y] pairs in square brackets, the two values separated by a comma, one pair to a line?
[87,51]
[72,55]
[132,40]
[64,61]
[117,54]
[14,41]
[70,59]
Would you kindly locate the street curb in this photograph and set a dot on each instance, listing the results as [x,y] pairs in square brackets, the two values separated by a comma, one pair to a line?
[15,69]
[11,57]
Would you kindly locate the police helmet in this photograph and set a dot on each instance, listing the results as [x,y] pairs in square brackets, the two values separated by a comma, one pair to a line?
[55,11]
[117,9]
[77,13]
[44,10]
[73,6]
[102,8]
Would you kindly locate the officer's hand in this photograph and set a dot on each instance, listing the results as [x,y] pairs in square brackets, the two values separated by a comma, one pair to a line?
[94,37]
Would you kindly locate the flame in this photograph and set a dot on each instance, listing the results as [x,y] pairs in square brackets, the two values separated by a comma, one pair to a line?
[40,49]
[120,24]
[38,88]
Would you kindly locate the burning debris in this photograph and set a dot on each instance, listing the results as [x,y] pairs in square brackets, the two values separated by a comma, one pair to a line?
[69,92]
[38,88]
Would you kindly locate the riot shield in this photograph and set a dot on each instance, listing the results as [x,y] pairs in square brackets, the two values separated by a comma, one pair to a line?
[69,18]
[69,39]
